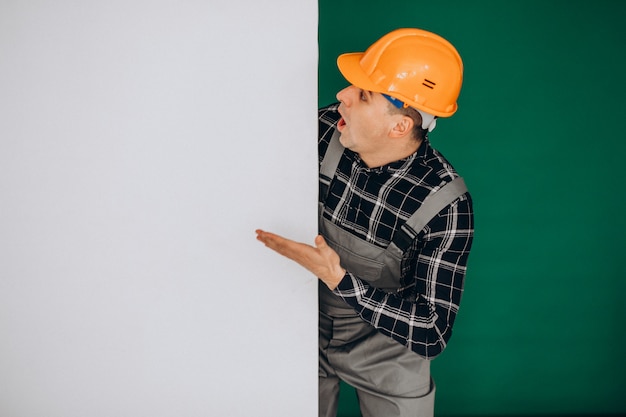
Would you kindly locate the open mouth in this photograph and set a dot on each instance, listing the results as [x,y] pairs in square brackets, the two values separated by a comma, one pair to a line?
[341,124]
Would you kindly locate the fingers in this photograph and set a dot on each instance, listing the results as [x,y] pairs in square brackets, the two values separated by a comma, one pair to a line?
[320,242]
[261,236]
[321,260]
[283,246]
[266,237]
[322,246]
[305,255]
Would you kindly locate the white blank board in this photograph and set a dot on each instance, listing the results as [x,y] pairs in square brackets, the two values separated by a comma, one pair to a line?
[141,144]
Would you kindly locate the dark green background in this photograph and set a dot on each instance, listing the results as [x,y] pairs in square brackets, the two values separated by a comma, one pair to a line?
[539,137]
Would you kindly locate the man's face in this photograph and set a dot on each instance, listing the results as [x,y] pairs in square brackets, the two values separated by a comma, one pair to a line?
[365,121]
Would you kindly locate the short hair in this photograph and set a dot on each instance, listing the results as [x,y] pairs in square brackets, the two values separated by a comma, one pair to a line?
[418,133]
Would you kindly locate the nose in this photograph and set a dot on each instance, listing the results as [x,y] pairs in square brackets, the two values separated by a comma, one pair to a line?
[345,96]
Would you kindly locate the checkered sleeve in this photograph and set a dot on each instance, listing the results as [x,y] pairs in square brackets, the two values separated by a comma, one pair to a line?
[436,263]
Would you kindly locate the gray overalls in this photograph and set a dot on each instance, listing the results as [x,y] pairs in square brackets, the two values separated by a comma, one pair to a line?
[390,379]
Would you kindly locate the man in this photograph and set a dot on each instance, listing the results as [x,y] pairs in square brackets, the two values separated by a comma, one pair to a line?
[396,226]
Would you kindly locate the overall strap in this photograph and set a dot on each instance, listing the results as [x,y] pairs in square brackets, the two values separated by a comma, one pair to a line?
[329,164]
[429,209]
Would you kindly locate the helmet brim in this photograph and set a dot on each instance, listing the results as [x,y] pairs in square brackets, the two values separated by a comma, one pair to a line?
[350,67]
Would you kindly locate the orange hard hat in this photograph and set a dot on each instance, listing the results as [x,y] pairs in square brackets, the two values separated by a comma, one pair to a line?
[418,67]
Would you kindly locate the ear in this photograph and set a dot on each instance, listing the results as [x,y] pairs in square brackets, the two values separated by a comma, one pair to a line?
[402,128]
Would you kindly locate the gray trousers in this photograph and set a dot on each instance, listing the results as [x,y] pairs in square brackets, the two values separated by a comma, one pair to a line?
[390,380]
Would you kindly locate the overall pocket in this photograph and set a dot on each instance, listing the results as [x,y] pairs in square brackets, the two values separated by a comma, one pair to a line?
[371,263]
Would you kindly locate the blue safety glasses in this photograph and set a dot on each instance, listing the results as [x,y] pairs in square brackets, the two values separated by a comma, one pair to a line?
[397,103]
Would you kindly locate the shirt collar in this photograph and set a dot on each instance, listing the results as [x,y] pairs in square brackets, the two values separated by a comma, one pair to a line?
[399,166]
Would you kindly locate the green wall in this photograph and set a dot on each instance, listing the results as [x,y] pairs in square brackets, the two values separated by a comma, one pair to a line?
[539,137]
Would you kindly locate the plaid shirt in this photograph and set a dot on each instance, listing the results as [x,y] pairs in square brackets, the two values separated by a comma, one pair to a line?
[372,204]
